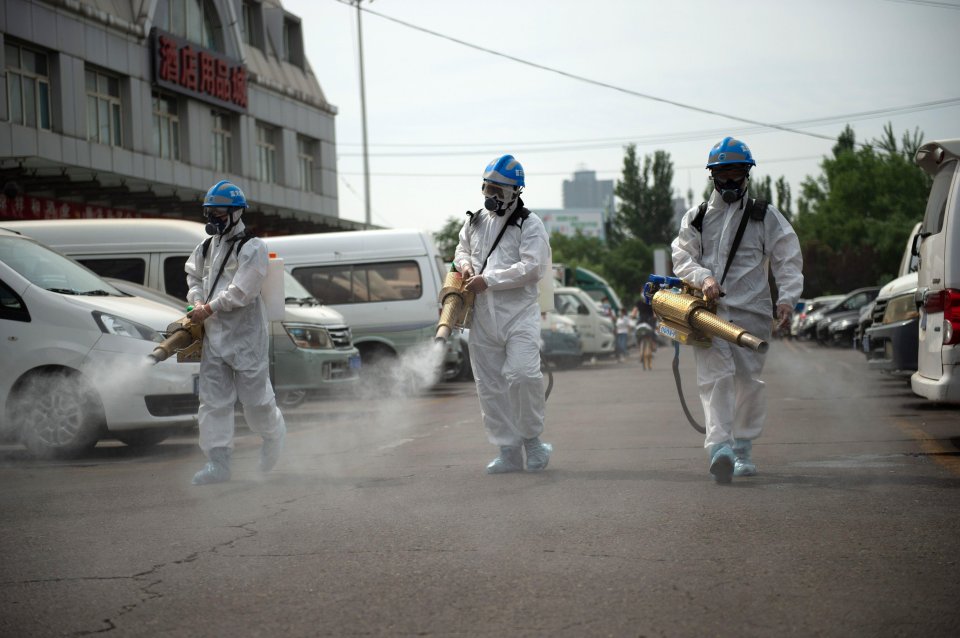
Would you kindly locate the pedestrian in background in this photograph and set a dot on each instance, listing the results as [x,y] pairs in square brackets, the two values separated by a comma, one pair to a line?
[624,326]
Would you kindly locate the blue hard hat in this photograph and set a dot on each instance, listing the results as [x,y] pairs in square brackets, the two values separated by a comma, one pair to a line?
[225,193]
[729,151]
[505,170]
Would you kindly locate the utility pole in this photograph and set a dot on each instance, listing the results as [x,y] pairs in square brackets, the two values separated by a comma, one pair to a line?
[363,116]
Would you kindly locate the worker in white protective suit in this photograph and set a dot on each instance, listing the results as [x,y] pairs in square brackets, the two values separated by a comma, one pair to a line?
[224,275]
[728,376]
[503,253]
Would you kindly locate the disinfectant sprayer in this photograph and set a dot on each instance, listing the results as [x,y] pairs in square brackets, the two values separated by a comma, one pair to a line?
[457,305]
[185,339]
[687,318]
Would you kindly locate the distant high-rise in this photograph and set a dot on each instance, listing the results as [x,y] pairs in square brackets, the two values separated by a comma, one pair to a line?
[585,191]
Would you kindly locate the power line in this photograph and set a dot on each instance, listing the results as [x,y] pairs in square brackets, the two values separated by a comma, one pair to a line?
[687,135]
[534,174]
[587,80]
[930,3]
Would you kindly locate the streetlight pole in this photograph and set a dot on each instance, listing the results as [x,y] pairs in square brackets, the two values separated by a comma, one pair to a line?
[363,116]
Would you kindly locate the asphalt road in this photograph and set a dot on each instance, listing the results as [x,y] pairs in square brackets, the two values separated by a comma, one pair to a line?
[379,520]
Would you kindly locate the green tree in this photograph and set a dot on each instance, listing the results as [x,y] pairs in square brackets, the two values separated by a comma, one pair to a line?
[646,197]
[853,218]
[448,237]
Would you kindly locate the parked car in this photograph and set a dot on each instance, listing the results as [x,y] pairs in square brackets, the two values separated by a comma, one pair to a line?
[847,312]
[560,341]
[799,312]
[938,290]
[813,313]
[75,366]
[152,252]
[596,330]
[890,341]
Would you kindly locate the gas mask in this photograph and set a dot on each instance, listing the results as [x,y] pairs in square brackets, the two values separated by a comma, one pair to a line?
[731,189]
[219,225]
[496,197]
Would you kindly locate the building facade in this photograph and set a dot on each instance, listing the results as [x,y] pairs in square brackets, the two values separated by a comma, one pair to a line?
[127,108]
[586,191]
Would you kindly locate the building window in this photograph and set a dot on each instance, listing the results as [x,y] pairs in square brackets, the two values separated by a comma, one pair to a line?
[222,142]
[266,153]
[166,126]
[28,86]
[103,108]
[292,42]
[195,20]
[252,24]
[306,154]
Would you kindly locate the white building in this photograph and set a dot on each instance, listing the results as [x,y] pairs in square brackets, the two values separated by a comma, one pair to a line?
[136,107]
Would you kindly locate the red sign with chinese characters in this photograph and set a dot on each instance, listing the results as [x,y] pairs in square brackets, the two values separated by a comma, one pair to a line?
[26,207]
[180,65]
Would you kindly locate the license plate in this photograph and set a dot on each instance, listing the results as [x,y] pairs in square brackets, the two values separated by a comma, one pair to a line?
[196,385]
[354,362]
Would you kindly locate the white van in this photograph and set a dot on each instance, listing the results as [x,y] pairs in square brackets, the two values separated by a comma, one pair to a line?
[74,352]
[938,291]
[597,332]
[386,283]
[152,252]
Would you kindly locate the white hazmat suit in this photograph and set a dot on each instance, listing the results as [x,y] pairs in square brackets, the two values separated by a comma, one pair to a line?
[731,391]
[235,347]
[505,329]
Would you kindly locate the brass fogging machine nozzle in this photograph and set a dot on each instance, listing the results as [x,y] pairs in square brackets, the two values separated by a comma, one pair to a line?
[690,317]
[457,305]
[185,340]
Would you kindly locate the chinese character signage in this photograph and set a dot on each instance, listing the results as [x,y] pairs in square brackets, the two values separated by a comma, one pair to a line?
[180,65]
[26,207]
[569,221]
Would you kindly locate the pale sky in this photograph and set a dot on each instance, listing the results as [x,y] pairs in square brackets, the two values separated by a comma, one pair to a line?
[438,111]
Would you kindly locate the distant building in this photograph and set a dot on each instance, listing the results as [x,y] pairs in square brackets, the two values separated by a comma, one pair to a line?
[586,191]
[567,221]
[128,108]
[680,207]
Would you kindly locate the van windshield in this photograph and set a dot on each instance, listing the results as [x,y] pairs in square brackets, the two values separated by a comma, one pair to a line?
[50,270]
[294,292]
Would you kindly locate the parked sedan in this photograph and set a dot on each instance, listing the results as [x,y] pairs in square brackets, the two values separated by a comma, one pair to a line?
[851,303]
[560,341]
[812,313]
[891,342]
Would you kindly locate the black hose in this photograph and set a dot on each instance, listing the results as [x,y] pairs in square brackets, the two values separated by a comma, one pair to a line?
[683,402]
[546,395]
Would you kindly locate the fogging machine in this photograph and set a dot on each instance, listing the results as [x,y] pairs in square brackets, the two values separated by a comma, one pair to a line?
[185,339]
[456,305]
[687,318]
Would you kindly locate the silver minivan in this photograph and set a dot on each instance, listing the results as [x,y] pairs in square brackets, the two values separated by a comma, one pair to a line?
[938,290]
[74,357]
[311,349]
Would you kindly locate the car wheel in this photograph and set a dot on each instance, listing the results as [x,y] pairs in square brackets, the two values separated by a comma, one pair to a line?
[57,415]
[147,437]
[291,398]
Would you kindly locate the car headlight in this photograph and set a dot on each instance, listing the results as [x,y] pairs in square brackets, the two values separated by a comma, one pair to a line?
[308,337]
[843,324]
[900,309]
[114,325]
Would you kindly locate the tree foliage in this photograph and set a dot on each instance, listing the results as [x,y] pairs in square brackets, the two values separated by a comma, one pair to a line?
[447,237]
[853,219]
[646,197]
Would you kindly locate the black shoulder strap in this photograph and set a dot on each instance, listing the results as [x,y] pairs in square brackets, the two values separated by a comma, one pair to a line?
[238,241]
[474,217]
[698,220]
[247,236]
[751,212]
[519,213]
[206,246]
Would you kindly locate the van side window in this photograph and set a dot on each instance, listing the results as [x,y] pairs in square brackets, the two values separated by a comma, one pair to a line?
[12,307]
[175,277]
[937,201]
[362,283]
[129,269]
